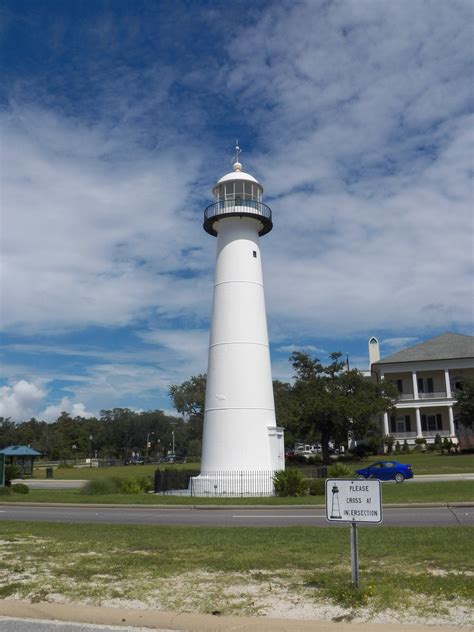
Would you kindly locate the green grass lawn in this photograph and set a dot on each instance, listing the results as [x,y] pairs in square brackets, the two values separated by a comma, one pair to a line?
[234,570]
[119,471]
[422,464]
[450,491]
[432,463]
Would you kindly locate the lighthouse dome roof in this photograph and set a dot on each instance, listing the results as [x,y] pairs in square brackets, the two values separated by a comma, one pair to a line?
[237,174]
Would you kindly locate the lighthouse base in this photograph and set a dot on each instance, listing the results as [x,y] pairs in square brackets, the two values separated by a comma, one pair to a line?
[230,484]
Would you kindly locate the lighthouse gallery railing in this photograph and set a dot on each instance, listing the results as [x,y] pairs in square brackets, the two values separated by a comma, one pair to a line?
[240,207]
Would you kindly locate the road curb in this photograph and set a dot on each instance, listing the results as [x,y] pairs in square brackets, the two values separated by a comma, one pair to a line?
[188,622]
[416,505]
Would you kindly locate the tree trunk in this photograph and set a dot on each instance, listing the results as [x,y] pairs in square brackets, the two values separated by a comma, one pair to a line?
[325,438]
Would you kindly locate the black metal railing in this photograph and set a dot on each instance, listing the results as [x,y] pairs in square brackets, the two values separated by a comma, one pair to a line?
[238,207]
[233,483]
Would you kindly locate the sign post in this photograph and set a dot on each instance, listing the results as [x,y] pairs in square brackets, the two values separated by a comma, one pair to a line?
[353,501]
[355,555]
[2,470]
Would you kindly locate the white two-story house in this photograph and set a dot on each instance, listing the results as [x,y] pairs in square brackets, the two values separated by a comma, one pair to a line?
[427,377]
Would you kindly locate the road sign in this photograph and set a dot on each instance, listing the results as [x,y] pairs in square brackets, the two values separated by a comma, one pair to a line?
[353,500]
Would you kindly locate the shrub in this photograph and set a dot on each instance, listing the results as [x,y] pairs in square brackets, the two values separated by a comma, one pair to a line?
[296,459]
[20,488]
[102,486]
[5,491]
[130,486]
[398,447]
[340,470]
[348,458]
[375,445]
[389,442]
[316,486]
[11,472]
[362,450]
[145,483]
[406,447]
[136,485]
[313,460]
[420,444]
[447,444]
[289,483]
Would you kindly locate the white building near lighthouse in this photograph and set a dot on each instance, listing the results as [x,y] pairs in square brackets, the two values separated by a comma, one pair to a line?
[242,446]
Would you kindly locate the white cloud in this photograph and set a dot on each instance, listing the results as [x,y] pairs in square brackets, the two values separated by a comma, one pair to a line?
[188,345]
[52,412]
[368,150]
[20,400]
[399,343]
[24,399]
[87,239]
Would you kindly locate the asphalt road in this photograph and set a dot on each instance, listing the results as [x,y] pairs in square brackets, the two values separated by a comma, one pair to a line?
[248,517]
[8,624]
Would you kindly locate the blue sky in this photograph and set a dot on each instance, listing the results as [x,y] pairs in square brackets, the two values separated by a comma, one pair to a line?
[117,119]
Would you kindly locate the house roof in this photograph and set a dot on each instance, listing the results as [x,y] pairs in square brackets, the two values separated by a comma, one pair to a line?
[445,347]
[19,450]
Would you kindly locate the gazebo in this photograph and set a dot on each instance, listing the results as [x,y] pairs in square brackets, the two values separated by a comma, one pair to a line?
[22,456]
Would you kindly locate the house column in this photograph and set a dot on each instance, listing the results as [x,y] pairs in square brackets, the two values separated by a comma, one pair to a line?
[385,424]
[451,421]
[415,385]
[419,432]
[448,383]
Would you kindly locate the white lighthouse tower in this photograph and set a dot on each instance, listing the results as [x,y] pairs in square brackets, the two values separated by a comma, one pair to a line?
[242,446]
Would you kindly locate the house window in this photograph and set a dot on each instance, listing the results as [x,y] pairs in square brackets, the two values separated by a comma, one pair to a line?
[393,424]
[400,426]
[407,423]
[439,422]
[400,386]
[425,385]
[431,419]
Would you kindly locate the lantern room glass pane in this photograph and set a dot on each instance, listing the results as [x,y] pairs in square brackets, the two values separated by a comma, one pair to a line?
[229,190]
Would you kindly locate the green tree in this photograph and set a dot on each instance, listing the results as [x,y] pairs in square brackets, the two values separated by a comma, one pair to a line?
[286,411]
[8,434]
[188,399]
[333,401]
[464,407]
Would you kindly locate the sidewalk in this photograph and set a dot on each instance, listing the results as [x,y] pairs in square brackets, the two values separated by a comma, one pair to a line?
[186,622]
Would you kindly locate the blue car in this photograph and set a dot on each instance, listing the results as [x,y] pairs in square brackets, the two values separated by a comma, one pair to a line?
[387,471]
